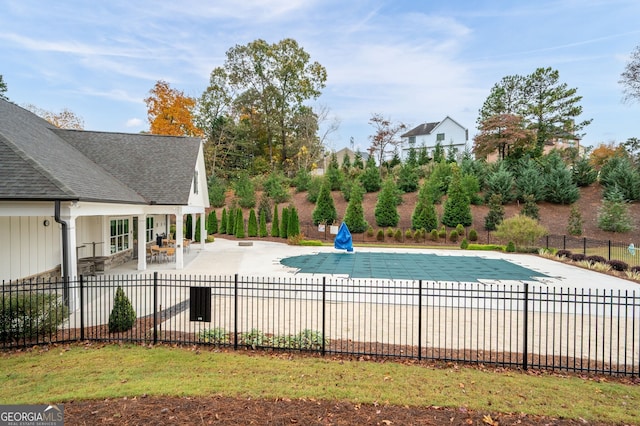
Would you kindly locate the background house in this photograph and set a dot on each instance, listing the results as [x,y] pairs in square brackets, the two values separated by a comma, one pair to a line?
[447,132]
[68,193]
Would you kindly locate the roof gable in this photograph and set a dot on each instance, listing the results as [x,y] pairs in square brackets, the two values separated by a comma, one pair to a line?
[40,161]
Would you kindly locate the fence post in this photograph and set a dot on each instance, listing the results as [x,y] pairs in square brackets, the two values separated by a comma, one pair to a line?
[82,308]
[419,320]
[564,242]
[609,250]
[235,312]
[324,313]
[155,308]
[525,340]
[584,245]
[547,242]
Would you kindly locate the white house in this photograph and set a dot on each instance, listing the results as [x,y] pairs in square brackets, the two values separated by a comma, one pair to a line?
[66,193]
[447,132]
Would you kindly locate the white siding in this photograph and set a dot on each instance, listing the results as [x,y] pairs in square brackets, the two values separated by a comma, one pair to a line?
[28,246]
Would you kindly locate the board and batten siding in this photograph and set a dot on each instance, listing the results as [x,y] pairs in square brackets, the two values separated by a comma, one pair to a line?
[28,247]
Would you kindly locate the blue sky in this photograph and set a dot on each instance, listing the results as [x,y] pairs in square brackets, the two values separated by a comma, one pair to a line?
[411,61]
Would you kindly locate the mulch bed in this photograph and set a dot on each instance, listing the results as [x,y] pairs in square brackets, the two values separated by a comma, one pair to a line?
[218,410]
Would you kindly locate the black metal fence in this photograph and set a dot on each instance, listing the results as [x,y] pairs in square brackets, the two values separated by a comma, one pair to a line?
[522,325]
[610,250]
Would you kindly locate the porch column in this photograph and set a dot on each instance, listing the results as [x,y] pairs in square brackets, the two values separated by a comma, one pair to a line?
[203,230]
[179,240]
[194,219]
[142,242]
[72,253]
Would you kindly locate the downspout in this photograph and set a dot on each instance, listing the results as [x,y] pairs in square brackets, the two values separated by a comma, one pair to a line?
[65,250]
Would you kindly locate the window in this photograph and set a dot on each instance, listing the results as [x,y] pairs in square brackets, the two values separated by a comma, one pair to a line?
[195,181]
[440,137]
[412,140]
[119,235]
[149,229]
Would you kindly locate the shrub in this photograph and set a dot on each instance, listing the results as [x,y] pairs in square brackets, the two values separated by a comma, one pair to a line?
[254,338]
[122,316]
[564,253]
[293,224]
[217,191]
[390,232]
[264,206]
[618,265]
[370,231]
[577,257]
[370,179]
[239,228]
[635,269]
[464,244]
[460,230]
[398,235]
[223,221]
[276,186]
[28,315]
[262,225]
[613,215]
[380,235]
[212,222]
[530,208]
[354,215]
[495,215]
[473,235]
[314,189]
[408,234]
[522,230]
[442,233]
[485,247]
[275,224]
[434,235]
[453,236]
[312,340]
[302,180]
[511,247]
[215,336]
[245,191]
[596,259]
[424,214]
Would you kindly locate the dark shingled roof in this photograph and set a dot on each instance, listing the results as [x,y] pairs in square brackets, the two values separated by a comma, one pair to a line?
[423,129]
[41,162]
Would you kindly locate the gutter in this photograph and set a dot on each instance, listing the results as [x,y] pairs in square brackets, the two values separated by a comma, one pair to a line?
[65,241]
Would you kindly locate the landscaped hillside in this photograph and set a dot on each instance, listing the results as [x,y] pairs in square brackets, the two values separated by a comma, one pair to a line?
[553,216]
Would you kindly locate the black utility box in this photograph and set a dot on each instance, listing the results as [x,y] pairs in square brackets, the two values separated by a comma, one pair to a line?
[200,304]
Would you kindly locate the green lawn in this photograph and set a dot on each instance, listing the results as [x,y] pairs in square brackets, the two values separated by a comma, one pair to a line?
[78,372]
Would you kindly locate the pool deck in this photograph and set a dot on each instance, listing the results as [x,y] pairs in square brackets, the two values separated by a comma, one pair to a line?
[227,257]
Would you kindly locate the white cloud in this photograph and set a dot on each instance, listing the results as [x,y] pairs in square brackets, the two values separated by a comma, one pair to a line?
[133,122]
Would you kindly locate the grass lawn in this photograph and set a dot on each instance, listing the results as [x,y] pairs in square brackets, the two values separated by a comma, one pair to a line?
[62,373]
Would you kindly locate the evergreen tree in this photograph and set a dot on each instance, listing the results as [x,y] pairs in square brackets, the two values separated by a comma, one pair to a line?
[583,173]
[252,226]
[575,222]
[357,160]
[188,232]
[530,180]
[293,228]
[424,214]
[325,211]
[333,173]
[212,222]
[262,229]
[386,210]
[346,164]
[354,216]
[198,237]
[613,215]
[223,221]
[302,180]
[275,224]
[239,226]
[530,208]
[265,206]
[438,153]
[423,155]
[500,182]
[231,221]
[122,316]
[457,208]
[496,213]
[245,191]
[408,179]
[284,222]
[371,181]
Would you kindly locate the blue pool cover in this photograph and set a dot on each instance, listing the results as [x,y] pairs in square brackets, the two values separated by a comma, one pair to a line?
[410,266]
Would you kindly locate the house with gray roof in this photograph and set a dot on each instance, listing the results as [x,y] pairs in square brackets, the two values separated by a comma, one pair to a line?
[447,133]
[67,193]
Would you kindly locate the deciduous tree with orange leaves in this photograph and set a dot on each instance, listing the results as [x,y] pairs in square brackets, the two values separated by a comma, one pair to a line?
[170,111]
